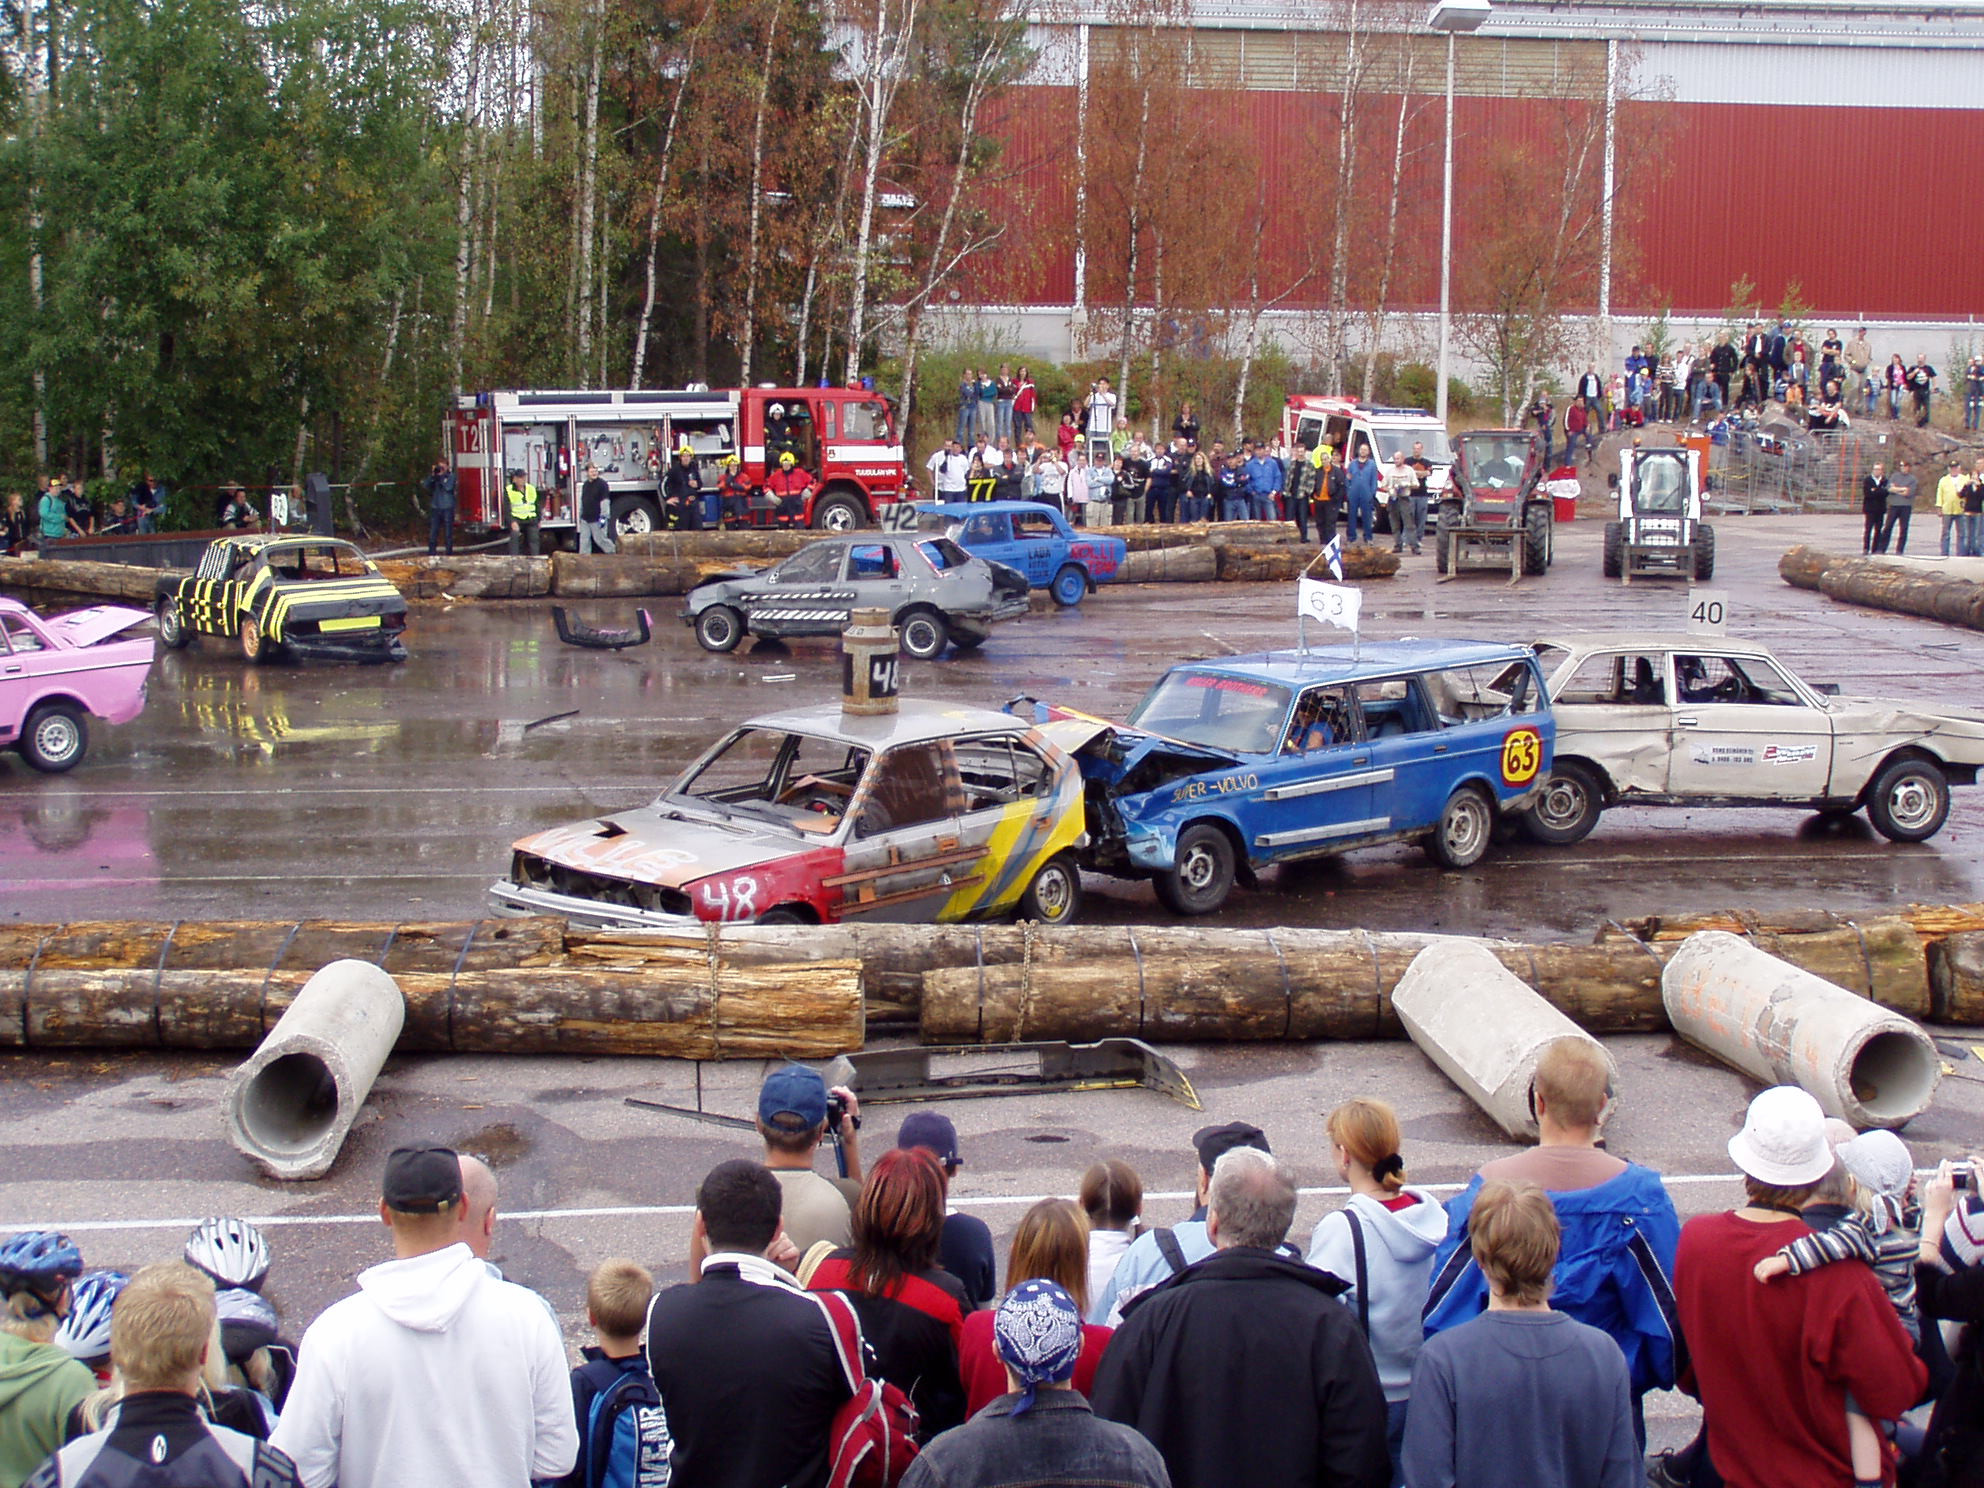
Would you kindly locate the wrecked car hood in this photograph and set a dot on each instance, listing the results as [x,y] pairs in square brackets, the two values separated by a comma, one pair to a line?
[98,623]
[654,845]
[1112,751]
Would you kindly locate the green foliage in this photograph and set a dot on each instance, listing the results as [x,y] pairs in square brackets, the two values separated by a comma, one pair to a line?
[1745,306]
[1794,307]
[1414,385]
[1657,339]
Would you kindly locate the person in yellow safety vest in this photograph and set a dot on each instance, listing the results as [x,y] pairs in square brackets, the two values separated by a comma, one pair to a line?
[521,519]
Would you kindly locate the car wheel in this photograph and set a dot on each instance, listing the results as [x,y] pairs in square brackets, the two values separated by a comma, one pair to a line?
[964,640]
[1613,562]
[1201,876]
[1704,553]
[254,645]
[55,738]
[1568,808]
[1536,525]
[839,514]
[1909,800]
[781,917]
[719,628]
[1466,827]
[1055,895]
[921,633]
[171,633]
[1069,586]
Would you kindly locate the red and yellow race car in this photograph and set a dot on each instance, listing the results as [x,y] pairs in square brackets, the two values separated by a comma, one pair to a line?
[933,813]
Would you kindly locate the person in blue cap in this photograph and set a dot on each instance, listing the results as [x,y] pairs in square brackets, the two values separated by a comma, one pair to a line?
[794,1106]
[1042,1429]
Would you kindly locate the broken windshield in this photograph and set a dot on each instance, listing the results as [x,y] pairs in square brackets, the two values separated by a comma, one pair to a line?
[1216,711]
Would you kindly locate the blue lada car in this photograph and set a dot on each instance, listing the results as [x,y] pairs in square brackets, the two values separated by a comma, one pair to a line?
[1231,765]
[1032,537]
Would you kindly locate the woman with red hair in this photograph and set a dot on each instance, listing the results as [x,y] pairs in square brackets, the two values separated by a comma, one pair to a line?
[911,1309]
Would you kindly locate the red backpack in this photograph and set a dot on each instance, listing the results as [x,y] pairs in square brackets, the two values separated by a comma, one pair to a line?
[874,1433]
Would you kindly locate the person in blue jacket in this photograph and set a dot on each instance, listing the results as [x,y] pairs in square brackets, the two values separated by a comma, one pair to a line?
[1362,482]
[1615,1268]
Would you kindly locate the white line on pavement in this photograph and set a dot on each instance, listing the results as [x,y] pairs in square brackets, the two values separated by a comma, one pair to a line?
[640,1211]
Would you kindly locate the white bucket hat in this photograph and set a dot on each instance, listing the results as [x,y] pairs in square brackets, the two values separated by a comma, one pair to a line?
[1783,1140]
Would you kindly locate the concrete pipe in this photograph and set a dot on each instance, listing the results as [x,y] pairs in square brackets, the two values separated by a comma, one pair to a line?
[292,1104]
[1483,1026]
[1785,1026]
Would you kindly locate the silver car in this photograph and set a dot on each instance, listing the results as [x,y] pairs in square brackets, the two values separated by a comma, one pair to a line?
[1645,719]
[934,591]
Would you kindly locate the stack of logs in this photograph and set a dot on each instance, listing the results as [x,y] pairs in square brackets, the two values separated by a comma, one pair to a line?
[537,986]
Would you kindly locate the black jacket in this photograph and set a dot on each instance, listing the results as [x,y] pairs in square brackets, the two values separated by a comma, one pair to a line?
[1245,1370]
[750,1377]
[1058,1441]
[1873,493]
[1956,1431]
[594,499]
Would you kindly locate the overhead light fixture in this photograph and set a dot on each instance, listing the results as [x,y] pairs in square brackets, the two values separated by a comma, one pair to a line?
[1458,15]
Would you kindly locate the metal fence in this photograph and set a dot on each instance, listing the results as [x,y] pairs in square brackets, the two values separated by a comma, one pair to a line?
[1781,469]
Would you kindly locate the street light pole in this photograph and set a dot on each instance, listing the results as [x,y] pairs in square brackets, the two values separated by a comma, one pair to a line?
[1452,17]
[1446,247]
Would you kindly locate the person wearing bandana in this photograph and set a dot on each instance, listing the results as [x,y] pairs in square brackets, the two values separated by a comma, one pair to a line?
[1042,1429]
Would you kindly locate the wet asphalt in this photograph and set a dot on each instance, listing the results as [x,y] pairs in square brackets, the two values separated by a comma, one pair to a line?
[393,792]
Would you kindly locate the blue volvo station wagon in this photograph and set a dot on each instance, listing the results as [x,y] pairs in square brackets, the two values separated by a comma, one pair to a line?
[1231,765]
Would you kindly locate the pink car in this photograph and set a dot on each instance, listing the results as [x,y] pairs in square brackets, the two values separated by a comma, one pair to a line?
[53,671]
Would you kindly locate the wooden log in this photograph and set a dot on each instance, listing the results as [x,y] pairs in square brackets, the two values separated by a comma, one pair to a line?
[807,1010]
[1885,586]
[757,544]
[1883,957]
[1956,978]
[485,576]
[62,579]
[1251,564]
[264,945]
[1926,920]
[621,575]
[1188,565]
[1801,566]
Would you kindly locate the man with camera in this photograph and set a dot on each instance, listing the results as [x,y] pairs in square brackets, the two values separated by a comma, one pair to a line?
[796,1112]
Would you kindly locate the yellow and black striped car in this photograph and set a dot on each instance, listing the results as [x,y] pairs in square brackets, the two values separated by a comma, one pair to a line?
[307,596]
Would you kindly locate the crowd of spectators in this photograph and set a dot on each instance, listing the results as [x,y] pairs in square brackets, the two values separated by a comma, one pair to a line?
[835,1328]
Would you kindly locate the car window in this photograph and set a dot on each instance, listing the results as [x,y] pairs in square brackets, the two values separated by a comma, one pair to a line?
[1497,464]
[759,767]
[1660,484]
[324,562]
[871,561]
[1324,716]
[1393,705]
[998,771]
[1400,442]
[1036,525]
[1733,679]
[942,554]
[16,636]
[1617,677]
[908,790]
[1219,712]
[984,528]
[1490,689]
[817,564]
[864,422]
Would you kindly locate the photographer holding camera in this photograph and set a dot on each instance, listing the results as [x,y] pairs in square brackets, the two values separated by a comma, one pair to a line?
[1949,1285]
[796,1112]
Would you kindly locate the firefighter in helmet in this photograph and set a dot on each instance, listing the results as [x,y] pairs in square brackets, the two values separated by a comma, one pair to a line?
[521,516]
[736,491]
[682,492]
[791,485]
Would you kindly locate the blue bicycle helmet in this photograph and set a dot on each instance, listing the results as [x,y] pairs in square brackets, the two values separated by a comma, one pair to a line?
[39,1263]
[85,1332]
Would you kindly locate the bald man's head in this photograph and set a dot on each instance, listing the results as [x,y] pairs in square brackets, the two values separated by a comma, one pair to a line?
[478,1224]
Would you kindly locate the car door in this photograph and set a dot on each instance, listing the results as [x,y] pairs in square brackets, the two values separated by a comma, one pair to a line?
[804,595]
[1418,761]
[1612,709]
[905,853]
[1012,806]
[1321,790]
[875,575]
[1743,730]
[1039,549]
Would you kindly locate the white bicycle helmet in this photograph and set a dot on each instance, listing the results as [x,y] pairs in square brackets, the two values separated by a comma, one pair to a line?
[85,1333]
[231,1251]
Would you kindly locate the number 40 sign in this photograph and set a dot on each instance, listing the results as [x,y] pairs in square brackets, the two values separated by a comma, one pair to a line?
[1708,611]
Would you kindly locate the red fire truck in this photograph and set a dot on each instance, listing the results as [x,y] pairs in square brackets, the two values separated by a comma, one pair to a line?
[845,438]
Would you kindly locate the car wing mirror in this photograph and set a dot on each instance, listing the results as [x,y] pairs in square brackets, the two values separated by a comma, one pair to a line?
[1826,689]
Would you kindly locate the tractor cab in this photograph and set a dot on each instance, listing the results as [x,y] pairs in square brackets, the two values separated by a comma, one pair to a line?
[1496,511]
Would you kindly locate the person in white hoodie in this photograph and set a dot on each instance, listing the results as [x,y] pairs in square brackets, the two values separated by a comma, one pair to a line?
[1381,1242]
[434,1371]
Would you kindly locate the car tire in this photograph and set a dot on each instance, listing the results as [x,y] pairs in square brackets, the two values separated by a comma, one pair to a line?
[1613,563]
[964,640]
[1568,807]
[55,738]
[719,628]
[172,633]
[1466,828]
[781,916]
[1201,874]
[1909,800]
[254,645]
[1069,586]
[632,516]
[921,633]
[1055,895]
[1536,523]
[839,514]
[1704,554]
